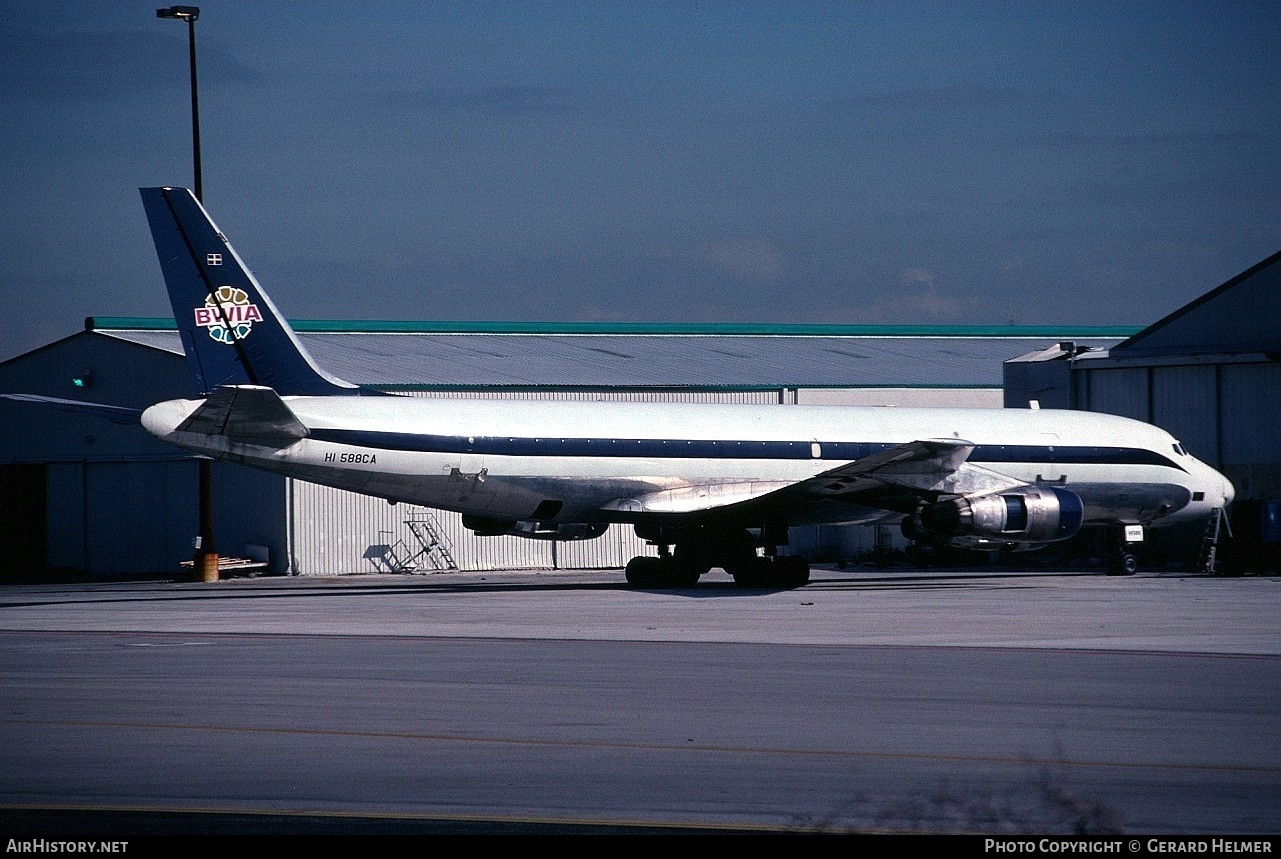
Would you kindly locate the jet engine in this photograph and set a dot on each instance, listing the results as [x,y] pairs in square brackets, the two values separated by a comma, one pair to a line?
[1028,515]
[531,530]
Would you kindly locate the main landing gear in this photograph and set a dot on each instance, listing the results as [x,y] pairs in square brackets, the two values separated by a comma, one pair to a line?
[684,555]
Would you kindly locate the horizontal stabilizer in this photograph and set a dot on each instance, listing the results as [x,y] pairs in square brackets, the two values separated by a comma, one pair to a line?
[249,414]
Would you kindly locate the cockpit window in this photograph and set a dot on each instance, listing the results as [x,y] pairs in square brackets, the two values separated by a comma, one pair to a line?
[1178,448]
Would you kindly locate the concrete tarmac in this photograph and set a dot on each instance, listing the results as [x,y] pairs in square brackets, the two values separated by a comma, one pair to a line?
[864,606]
[869,701]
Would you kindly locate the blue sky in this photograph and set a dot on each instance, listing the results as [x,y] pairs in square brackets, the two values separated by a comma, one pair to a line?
[919,163]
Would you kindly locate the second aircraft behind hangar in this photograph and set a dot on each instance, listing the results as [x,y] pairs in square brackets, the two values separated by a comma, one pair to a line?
[707,485]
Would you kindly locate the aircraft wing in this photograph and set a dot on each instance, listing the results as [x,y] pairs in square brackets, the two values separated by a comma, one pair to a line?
[925,468]
[246,413]
[697,497]
[115,414]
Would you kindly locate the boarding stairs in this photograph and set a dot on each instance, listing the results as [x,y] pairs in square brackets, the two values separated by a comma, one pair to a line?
[436,548]
[1207,559]
[434,553]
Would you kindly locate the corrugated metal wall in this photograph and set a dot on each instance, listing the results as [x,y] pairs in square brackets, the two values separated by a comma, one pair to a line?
[612,550]
[1121,391]
[840,543]
[1184,403]
[1228,414]
[1251,451]
[342,533]
[333,532]
[952,398]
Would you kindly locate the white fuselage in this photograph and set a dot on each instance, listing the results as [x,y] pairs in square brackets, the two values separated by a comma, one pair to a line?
[502,458]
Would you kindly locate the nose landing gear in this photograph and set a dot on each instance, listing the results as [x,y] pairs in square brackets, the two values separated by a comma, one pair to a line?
[1121,560]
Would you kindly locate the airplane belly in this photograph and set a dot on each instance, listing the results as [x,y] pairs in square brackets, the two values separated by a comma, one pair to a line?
[566,489]
[1130,502]
[607,488]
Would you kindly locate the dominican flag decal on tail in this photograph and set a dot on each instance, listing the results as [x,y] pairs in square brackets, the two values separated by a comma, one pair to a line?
[228,315]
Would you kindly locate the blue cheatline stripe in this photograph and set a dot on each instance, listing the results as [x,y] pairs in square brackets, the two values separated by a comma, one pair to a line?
[843,451]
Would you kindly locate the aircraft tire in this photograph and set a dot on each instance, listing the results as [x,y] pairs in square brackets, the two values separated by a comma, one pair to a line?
[644,572]
[679,575]
[1124,564]
[756,573]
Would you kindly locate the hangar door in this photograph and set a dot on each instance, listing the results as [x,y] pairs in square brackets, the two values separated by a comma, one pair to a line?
[109,518]
[23,527]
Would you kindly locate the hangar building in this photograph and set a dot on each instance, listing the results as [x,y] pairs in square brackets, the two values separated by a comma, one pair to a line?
[1210,373]
[90,496]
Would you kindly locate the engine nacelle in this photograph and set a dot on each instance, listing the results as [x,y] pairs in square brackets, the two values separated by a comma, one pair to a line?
[1032,514]
[530,530]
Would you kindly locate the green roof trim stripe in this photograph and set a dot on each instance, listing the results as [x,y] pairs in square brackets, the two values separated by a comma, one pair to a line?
[721,329]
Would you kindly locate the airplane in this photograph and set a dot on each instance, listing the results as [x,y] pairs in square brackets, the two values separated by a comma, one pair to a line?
[707,485]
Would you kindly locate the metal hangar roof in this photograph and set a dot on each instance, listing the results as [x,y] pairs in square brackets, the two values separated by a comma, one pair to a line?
[467,355]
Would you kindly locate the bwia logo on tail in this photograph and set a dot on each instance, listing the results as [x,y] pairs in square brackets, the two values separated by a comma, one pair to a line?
[228,314]
[231,331]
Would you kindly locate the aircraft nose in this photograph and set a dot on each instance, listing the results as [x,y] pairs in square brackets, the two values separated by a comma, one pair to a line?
[1229,491]
[1217,486]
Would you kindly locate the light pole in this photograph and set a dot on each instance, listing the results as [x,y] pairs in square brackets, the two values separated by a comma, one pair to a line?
[206,556]
[190,14]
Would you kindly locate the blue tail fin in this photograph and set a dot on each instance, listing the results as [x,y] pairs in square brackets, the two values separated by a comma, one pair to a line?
[231,331]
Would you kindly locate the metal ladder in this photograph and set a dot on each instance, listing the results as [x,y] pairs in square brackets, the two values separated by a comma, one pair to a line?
[436,547]
[1207,559]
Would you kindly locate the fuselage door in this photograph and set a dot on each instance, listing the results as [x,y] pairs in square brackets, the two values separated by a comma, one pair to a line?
[470,480]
